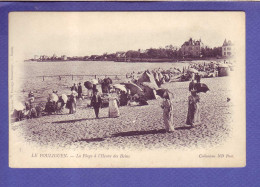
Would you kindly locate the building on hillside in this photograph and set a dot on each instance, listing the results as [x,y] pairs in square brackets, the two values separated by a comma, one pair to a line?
[227,48]
[192,48]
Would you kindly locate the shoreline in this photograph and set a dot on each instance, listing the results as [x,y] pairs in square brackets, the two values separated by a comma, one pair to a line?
[137,60]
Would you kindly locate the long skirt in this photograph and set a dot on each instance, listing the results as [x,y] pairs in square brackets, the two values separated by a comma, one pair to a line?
[168,120]
[72,108]
[193,117]
[113,109]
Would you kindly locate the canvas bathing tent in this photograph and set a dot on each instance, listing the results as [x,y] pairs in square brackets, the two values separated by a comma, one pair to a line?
[148,85]
[223,70]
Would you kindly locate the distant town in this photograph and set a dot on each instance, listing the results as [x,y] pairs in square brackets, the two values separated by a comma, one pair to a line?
[190,50]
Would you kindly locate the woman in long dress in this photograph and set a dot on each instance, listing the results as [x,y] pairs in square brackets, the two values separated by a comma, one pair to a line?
[167,106]
[193,117]
[72,104]
[113,106]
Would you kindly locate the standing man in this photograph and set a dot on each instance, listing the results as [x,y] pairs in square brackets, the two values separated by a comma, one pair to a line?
[96,102]
[197,78]
[74,87]
[192,85]
[79,91]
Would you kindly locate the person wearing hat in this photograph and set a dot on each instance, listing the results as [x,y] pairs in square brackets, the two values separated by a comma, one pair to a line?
[192,84]
[193,116]
[197,77]
[72,103]
[96,102]
[167,106]
[113,111]
[79,91]
[74,88]
[31,98]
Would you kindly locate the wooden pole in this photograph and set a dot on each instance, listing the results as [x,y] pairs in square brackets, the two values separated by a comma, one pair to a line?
[42,78]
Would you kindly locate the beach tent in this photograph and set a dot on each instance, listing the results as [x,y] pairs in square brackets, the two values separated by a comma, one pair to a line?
[146,77]
[223,70]
[149,89]
[160,76]
[150,85]
[120,87]
[156,77]
[134,89]
[167,77]
[53,97]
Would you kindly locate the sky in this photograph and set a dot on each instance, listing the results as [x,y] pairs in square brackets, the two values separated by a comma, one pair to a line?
[87,33]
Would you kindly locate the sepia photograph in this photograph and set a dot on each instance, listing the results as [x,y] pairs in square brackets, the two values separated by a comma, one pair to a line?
[127,89]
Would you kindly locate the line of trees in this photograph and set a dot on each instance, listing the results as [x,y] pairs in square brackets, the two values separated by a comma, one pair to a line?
[159,53]
[167,53]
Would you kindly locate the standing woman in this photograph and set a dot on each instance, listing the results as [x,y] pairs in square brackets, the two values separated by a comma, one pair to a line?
[193,117]
[167,106]
[113,111]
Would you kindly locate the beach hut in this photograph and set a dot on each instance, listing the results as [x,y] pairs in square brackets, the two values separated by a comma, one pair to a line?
[223,70]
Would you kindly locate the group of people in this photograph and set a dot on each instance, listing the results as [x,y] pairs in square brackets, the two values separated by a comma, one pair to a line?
[96,103]
[193,116]
[194,111]
[96,100]
[77,89]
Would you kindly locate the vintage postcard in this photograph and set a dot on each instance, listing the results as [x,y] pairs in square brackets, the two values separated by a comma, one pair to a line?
[127,89]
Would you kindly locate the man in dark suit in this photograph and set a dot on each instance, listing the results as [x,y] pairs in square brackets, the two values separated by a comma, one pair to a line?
[192,85]
[197,77]
[96,102]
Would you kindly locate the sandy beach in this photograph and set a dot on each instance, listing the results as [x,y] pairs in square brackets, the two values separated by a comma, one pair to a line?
[138,127]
